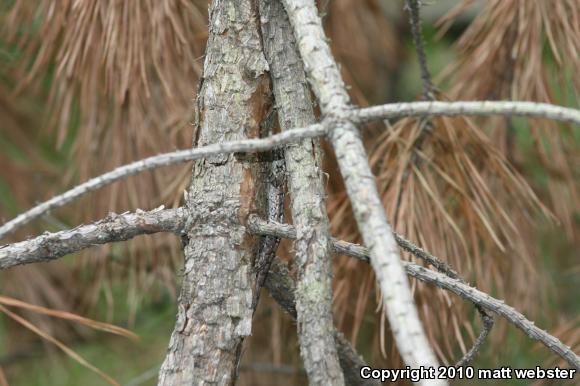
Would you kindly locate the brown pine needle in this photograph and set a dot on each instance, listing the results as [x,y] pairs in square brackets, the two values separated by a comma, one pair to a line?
[71,317]
[67,350]
[3,380]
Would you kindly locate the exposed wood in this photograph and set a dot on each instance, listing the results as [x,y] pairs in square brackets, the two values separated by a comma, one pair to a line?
[215,303]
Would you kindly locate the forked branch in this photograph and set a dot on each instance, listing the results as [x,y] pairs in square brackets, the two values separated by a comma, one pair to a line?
[327,83]
[387,111]
[487,323]
[455,285]
[173,220]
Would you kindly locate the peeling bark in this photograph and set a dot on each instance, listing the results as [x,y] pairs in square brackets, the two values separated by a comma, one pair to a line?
[215,304]
[312,248]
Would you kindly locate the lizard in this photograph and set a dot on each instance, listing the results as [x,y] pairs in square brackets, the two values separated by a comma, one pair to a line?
[275,192]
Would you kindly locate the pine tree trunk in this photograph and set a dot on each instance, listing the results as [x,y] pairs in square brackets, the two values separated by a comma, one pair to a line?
[215,304]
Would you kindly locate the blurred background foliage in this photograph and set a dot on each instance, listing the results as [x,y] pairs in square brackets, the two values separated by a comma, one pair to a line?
[87,86]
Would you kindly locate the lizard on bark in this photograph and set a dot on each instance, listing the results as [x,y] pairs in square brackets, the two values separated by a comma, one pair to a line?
[275,191]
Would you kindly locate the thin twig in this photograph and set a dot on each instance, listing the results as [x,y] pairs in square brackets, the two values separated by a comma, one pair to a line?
[425,124]
[441,266]
[387,111]
[486,326]
[260,226]
[415,20]
[443,281]
[115,227]
[497,306]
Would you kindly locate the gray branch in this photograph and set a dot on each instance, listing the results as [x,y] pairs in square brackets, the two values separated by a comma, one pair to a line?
[455,285]
[441,266]
[361,188]
[413,7]
[312,248]
[161,160]
[387,111]
[259,226]
[115,227]
[282,288]
[127,225]
[498,307]
[487,323]
[475,108]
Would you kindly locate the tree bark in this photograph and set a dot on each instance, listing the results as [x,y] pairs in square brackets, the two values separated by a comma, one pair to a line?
[282,288]
[445,279]
[215,304]
[113,228]
[316,329]
[360,185]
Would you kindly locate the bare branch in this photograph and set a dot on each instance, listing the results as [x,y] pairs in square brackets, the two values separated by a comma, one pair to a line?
[124,226]
[361,188]
[282,288]
[441,266]
[115,227]
[440,280]
[486,326]
[260,226]
[483,108]
[497,306]
[413,7]
[415,21]
[287,231]
[387,111]
[307,200]
[166,159]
